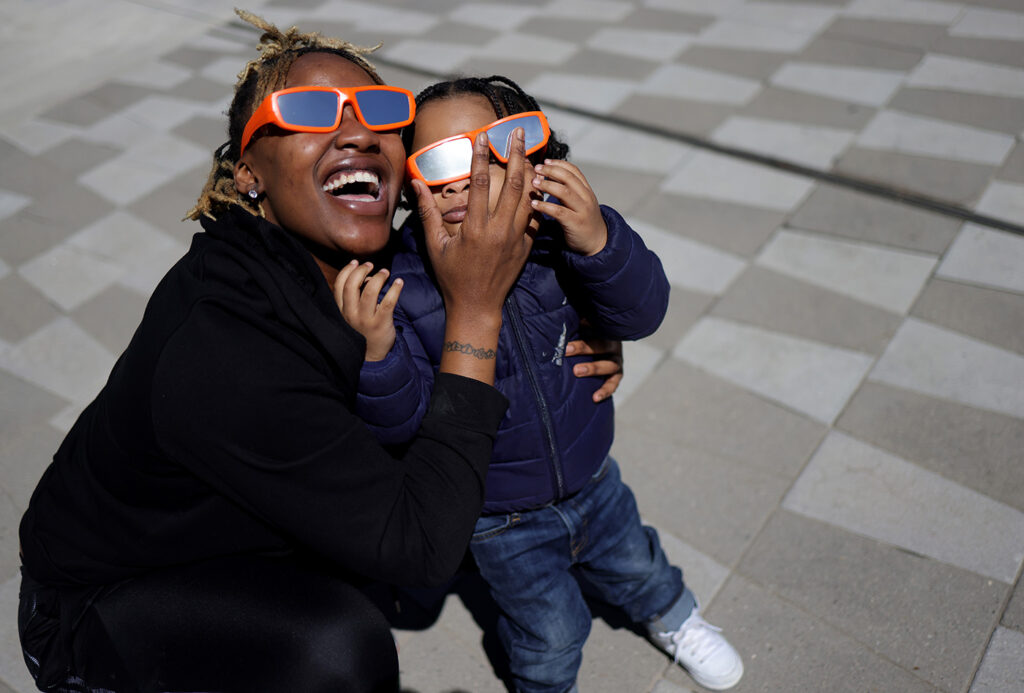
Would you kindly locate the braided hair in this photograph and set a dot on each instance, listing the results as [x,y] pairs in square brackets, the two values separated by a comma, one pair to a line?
[505,96]
[264,74]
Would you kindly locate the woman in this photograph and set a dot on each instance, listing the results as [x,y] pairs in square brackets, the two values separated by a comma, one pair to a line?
[208,519]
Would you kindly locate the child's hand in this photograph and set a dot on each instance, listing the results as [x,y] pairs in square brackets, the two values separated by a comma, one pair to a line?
[578,213]
[356,295]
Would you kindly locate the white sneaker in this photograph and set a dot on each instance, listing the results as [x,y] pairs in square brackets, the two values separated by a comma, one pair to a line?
[700,649]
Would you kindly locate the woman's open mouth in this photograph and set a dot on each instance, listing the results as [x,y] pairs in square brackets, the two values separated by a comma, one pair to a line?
[361,186]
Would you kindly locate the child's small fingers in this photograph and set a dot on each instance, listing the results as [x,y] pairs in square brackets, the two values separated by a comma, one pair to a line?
[390,299]
[559,213]
[562,170]
[373,284]
[353,287]
[339,281]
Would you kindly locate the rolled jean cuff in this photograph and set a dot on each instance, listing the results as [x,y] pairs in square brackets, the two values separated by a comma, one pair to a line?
[676,614]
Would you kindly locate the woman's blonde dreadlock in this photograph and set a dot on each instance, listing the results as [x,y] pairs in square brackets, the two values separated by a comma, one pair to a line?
[261,76]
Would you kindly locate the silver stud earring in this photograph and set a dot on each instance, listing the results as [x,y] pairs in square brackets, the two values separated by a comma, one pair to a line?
[253,194]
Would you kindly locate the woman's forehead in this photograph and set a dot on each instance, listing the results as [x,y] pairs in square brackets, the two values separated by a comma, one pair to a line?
[326,70]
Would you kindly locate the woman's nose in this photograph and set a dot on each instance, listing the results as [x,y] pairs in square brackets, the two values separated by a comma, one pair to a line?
[352,133]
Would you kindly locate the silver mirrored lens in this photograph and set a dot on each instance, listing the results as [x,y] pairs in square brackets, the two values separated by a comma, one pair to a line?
[317,109]
[383,107]
[501,135]
[448,160]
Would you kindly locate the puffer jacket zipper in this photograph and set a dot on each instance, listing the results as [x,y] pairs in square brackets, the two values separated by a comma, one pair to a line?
[516,320]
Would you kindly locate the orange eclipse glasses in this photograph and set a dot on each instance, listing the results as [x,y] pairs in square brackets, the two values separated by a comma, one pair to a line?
[320,109]
[450,159]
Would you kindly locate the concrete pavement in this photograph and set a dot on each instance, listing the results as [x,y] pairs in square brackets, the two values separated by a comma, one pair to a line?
[827,430]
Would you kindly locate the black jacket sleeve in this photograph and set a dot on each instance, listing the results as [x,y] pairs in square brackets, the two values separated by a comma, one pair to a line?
[261,420]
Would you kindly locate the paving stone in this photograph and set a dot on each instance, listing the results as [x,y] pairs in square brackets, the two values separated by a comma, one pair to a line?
[631,150]
[23,309]
[813,146]
[617,659]
[595,94]
[686,407]
[1002,669]
[684,308]
[977,449]
[1013,168]
[834,50]
[859,85]
[699,84]
[666,20]
[76,156]
[776,366]
[691,264]
[469,33]
[26,236]
[204,131]
[111,317]
[1003,200]
[896,34]
[726,179]
[984,49]
[895,131]
[717,505]
[672,114]
[990,24]
[67,276]
[986,314]
[783,104]
[883,277]
[754,64]
[874,219]
[574,30]
[603,64]
[986,111]
[644,44]
[972,76]
[955,182]
[773,301]
[735,228]
[196,58]
[869,491]
[786,648]
[916,612]
[617,191]
[1013,617]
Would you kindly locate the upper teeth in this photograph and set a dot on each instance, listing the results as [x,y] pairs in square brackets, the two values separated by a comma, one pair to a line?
[354,177]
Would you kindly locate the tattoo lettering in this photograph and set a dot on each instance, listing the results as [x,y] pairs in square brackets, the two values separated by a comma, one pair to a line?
[483,354]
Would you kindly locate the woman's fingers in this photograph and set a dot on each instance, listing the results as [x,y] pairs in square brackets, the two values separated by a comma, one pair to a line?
[479,184]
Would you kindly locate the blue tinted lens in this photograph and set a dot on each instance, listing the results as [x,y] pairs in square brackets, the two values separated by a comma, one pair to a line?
[318,109]
[501,135]
[380,108]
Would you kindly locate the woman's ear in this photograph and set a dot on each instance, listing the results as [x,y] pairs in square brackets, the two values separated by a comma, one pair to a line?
[245,179]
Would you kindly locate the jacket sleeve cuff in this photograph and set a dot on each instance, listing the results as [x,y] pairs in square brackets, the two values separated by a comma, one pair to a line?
[467,403]
[610,260]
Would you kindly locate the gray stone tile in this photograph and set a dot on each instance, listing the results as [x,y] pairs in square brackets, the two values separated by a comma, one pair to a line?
[111,317]
[23,408]
[883,277]
[866,490]
[1013,167]
[206,132]
[75,156]
[166,211]
[897,34]
[996,4]
[677,80]
[780,103]
[80,111]
[1003,200]
[830,49]
[625,148]
[618,191]
[716,504]
[897,131]
[201,90]
[521,73]
[732,227]
[988,50]
[592,94]
[68,275]
[684,307]
[195,58]
[951,181]
[603,64]
[990,315]
[23,309]
[1002,669]
[962,74]
[924,616]
[777,366]
[1013,617]
[617,659]
[686,407]
[667,20]
[114,96]
[727,179]
[812,146]
[758,65]
[785,648]
[874,219]
[645,44]
[672,114]
[1003,114]
[774,301]
[13,671]
[460,33]
[939,362]
[975,448]
[688,263]
[860,85]
[986,256]
[574,30]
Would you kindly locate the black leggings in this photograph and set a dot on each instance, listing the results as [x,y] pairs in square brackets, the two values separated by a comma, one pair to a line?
[237,624]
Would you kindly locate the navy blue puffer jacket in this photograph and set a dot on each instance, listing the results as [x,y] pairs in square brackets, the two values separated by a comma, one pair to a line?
[553,437]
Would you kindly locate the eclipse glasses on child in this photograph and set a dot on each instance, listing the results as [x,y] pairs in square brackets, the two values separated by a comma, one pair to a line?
[319,109]
[450,159]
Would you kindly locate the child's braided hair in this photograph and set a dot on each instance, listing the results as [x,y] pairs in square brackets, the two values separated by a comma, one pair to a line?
[506,97]
[261,76]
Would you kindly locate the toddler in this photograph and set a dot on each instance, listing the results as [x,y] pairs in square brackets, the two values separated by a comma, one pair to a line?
[556,509]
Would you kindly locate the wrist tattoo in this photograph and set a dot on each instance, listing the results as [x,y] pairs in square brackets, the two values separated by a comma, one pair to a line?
[469,349]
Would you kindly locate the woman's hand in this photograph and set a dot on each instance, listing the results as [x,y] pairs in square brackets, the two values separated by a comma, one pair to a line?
[477,264]
[356,294]
[607,361]
[578,211]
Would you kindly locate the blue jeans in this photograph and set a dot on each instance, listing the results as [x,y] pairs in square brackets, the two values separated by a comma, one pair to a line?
[526,558]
